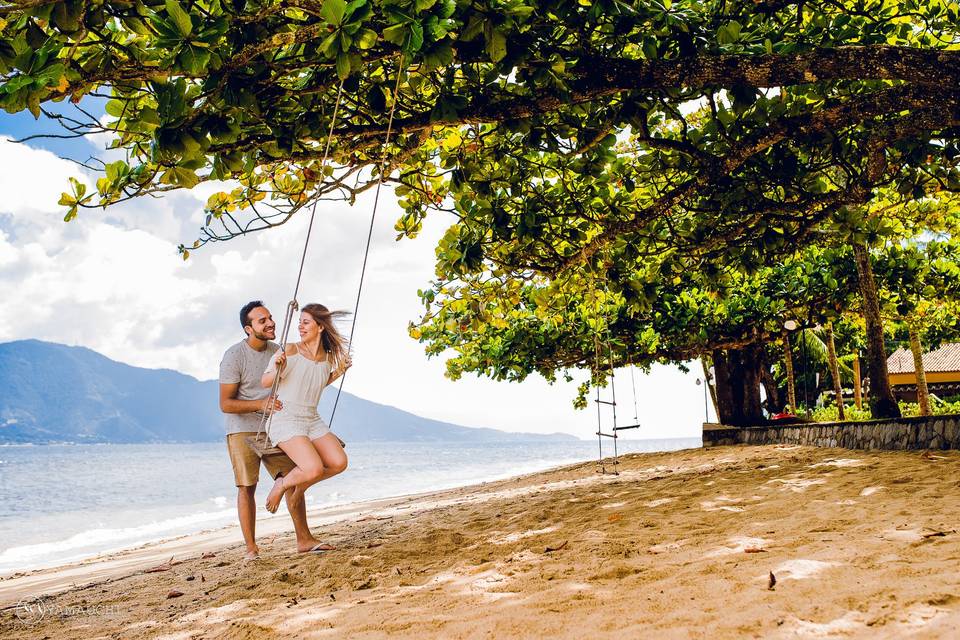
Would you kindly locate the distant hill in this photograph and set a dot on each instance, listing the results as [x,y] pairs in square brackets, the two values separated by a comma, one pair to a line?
[56,393]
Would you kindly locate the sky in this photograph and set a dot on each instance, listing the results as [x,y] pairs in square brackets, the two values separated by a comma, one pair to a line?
[112,281]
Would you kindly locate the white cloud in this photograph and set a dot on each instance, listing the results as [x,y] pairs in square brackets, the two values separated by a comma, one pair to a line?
[113,282]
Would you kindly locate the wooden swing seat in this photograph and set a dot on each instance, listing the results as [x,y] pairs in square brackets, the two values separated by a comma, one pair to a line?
[261,445]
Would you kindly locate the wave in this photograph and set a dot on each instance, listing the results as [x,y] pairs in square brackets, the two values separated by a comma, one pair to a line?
[104,540]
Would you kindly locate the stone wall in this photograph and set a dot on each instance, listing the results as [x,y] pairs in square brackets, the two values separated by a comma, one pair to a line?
[929,432]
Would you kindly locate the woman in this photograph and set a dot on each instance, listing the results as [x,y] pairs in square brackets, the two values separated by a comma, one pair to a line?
[305,368]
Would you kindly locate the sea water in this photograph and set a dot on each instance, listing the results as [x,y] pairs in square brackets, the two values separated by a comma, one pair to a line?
[62,503]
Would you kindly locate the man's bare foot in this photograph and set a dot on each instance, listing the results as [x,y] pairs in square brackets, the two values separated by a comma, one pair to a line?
[275,495]
[314,547]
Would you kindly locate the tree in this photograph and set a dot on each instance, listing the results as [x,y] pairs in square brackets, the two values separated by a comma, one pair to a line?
[834,370]
[657,311]
[920,283]
[788,368]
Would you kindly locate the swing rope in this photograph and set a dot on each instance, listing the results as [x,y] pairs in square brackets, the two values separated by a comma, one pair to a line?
[266,420]
[373,218]
[262,445]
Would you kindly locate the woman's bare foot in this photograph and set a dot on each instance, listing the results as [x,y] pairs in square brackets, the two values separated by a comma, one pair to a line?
[275,495]
[251,554]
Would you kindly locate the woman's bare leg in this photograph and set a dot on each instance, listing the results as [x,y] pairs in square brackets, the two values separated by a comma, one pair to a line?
[308,471]
[333,457]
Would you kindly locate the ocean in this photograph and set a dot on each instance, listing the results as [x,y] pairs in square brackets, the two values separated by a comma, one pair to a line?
[63,503]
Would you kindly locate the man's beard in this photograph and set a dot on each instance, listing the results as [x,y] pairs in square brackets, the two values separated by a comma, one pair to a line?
[264,337]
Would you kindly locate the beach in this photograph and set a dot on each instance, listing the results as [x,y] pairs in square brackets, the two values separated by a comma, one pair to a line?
[729,542]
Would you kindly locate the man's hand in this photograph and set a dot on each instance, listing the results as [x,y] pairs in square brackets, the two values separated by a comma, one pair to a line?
[229,403]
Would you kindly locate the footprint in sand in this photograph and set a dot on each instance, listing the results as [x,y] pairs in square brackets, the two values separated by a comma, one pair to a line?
[514,537]
[856,623]
[850,622]
[839,462]
[800,569]
[738,544]
[658,502]
[666,547]
[722,503]
[797,485]
[903,535]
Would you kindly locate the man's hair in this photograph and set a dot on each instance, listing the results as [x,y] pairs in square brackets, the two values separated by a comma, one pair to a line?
[245,312]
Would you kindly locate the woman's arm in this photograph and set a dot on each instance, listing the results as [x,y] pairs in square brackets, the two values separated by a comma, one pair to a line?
[342,369]
[275,368]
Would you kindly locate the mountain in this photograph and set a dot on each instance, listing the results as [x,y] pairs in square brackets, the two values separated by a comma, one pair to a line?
[57,393]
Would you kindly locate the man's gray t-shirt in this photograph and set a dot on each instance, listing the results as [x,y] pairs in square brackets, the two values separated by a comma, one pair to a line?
[245,365]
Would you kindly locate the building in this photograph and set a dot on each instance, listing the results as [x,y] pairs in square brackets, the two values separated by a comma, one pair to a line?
[942,367]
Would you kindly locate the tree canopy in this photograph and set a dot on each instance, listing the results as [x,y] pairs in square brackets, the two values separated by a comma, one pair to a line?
[551,128]
[704,161]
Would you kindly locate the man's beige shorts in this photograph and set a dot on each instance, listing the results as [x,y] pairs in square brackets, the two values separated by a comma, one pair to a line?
[246,463]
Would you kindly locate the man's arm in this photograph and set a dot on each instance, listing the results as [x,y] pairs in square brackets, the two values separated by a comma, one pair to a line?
[230,404]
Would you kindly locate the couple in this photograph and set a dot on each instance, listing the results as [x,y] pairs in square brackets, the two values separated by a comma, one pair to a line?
[247,373]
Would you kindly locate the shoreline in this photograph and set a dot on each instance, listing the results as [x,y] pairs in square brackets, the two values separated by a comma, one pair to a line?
[46,581]
[69,549]
[726,542]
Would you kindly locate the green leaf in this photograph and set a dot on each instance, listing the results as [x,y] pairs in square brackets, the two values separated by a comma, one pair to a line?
[496,45]
[114,108]
[33,104]
[366,38]
[331,44]
[116,169]
[416,37]
[184,177]
[395,34]
[333,10]
[180,17]
[79,188]
[729,33]
[343,66]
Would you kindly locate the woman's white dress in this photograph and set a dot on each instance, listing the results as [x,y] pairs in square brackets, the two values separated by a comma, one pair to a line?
[301,383]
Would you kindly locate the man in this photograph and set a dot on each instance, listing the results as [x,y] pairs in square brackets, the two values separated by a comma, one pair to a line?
[244,400]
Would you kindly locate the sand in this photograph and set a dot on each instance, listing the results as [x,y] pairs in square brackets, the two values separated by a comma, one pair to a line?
[679,545]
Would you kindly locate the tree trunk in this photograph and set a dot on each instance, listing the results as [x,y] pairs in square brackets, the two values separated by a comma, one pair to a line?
[791,379]
[835,371]
[769,384]
[711,384]
[882,402]
[738,386]
[721,369]
[857,393]
[748,391]
[923,395]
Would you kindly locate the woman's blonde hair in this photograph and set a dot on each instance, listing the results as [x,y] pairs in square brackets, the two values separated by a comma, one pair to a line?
[333,343]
